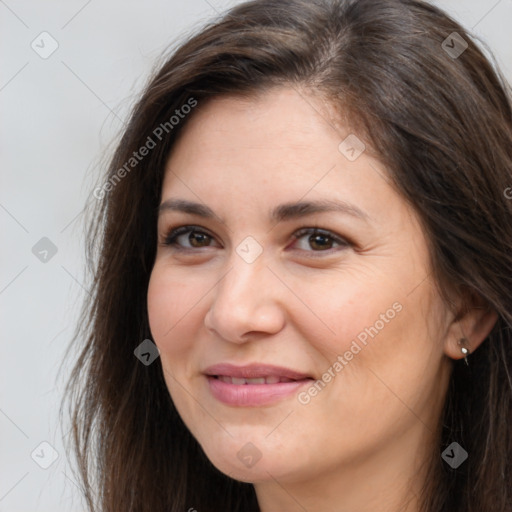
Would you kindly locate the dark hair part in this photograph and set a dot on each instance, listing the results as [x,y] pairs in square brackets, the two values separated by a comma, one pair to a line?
[443,128]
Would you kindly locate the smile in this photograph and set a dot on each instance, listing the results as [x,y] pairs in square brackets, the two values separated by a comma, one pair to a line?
[253,385]
[272,379]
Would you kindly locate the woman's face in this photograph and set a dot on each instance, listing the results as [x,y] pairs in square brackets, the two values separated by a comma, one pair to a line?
[342,330]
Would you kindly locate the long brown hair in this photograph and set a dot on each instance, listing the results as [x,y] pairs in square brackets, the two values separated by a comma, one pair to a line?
[436,113]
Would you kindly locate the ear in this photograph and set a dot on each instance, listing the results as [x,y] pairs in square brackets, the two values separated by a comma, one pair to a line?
[473,321]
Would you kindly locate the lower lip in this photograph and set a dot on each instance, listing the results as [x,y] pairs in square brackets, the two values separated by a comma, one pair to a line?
[253,395]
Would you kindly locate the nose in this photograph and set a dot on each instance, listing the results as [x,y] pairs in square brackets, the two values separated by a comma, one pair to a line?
[249,300]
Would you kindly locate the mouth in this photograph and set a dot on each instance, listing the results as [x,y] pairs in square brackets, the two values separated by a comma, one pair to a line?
[253,385]
[237,381]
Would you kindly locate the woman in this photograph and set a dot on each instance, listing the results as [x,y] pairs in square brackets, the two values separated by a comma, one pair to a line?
[302,297]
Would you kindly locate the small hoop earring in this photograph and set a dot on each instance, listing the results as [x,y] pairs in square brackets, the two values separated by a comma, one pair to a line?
[464,350]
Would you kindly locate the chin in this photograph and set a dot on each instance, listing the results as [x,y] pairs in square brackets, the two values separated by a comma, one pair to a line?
[249,471]
[249,461]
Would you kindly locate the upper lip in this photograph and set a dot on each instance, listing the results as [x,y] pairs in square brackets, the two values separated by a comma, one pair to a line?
[253,371]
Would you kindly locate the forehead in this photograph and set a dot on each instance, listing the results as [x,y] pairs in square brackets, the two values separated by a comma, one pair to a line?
[273,148]
[269,135]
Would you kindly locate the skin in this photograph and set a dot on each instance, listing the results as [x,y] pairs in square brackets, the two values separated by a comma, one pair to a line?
[362,442]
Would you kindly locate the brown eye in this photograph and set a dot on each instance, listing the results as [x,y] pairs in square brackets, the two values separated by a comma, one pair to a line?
[188,237]
[319,240]
[198,239]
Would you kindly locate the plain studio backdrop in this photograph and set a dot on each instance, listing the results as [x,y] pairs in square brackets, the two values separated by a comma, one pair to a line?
[70,73]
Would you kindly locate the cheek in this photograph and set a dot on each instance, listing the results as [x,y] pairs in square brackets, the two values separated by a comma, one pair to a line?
[357,307]
[368,323]
[172,302]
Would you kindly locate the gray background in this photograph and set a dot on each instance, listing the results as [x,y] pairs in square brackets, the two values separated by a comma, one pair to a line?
[58,117]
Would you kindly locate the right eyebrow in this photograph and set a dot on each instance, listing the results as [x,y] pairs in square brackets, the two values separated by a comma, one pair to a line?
[182,205]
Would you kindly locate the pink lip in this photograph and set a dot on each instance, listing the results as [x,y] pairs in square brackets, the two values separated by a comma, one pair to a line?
[251,395]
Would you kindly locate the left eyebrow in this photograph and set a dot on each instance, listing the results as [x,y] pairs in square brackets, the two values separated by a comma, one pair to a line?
[299,209]
[283,212]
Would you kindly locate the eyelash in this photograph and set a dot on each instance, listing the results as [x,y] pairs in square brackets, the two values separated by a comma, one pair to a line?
[171,237]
